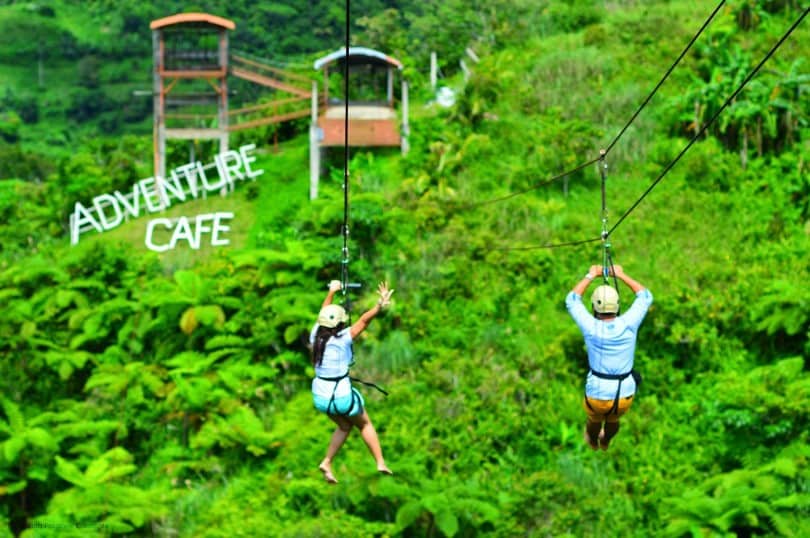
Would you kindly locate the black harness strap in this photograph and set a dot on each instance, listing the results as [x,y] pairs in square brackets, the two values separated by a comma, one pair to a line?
[369,384]
[615,377]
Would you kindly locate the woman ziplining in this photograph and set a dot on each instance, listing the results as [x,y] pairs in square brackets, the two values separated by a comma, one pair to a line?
[332,390]
[333,335]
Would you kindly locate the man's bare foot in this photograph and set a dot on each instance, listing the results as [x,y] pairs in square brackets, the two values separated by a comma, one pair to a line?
[326,469]
[603,444]
[383,468]
[587,437]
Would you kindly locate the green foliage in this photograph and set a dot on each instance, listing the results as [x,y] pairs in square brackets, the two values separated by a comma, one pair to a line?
[783,307]
[169,394]
[10,128]
[96,499]
[770,411]
[764,116]
[573,16]
[768,500]
[25,38]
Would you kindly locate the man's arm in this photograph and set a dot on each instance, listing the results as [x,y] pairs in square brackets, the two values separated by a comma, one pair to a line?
[583,284]
[621,275]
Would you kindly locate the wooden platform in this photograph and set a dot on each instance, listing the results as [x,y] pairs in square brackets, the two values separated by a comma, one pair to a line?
[368,126]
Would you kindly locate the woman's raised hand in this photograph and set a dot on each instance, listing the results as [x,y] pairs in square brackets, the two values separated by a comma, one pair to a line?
[335,285]
[385,294]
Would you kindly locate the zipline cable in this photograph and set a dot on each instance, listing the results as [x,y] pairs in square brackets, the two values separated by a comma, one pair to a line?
[607,258]
[344,263]
[691,142]
[552,245]
[344,276]
[604,235]
[666,75]
[615,140]
[532,188]
[711,120]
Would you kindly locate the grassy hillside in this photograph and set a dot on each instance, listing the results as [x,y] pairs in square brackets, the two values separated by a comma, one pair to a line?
[168,395]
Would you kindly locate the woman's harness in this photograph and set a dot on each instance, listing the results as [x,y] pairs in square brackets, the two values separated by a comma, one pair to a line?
[331,408]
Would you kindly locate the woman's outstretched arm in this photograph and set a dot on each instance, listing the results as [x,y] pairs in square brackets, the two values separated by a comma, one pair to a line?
[385,300]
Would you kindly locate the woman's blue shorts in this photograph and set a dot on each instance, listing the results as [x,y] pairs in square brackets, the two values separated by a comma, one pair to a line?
[347,406]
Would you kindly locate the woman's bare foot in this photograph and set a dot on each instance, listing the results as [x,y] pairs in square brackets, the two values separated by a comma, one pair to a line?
[383,468]
[326,469]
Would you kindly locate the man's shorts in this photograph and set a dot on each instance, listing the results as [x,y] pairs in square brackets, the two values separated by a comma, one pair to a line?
[348,406]
[599,410]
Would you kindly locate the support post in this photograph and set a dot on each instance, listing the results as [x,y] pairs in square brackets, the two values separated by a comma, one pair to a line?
[433,71]
[158,139]
[314,146]
[389,86]
[222,102]
[466,70]
[222,120]
[406,126]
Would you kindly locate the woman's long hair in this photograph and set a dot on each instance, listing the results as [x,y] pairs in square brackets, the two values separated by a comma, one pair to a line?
[322,336]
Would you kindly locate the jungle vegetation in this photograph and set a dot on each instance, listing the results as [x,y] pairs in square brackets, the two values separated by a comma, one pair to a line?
[147,394]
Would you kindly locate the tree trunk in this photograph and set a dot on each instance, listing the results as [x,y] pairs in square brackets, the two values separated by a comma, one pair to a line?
[185,429]
[40,68]
[744,149]
[23,496]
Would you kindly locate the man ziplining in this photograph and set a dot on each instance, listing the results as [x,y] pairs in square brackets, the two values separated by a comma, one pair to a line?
[610,339]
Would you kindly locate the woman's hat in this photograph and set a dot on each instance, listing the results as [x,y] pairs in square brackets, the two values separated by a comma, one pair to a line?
[331,315]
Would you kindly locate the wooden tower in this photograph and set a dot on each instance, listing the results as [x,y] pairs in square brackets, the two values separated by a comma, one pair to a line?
[189,46]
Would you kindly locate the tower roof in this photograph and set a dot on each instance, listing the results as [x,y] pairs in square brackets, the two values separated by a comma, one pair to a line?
[183,18]
[358,55]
